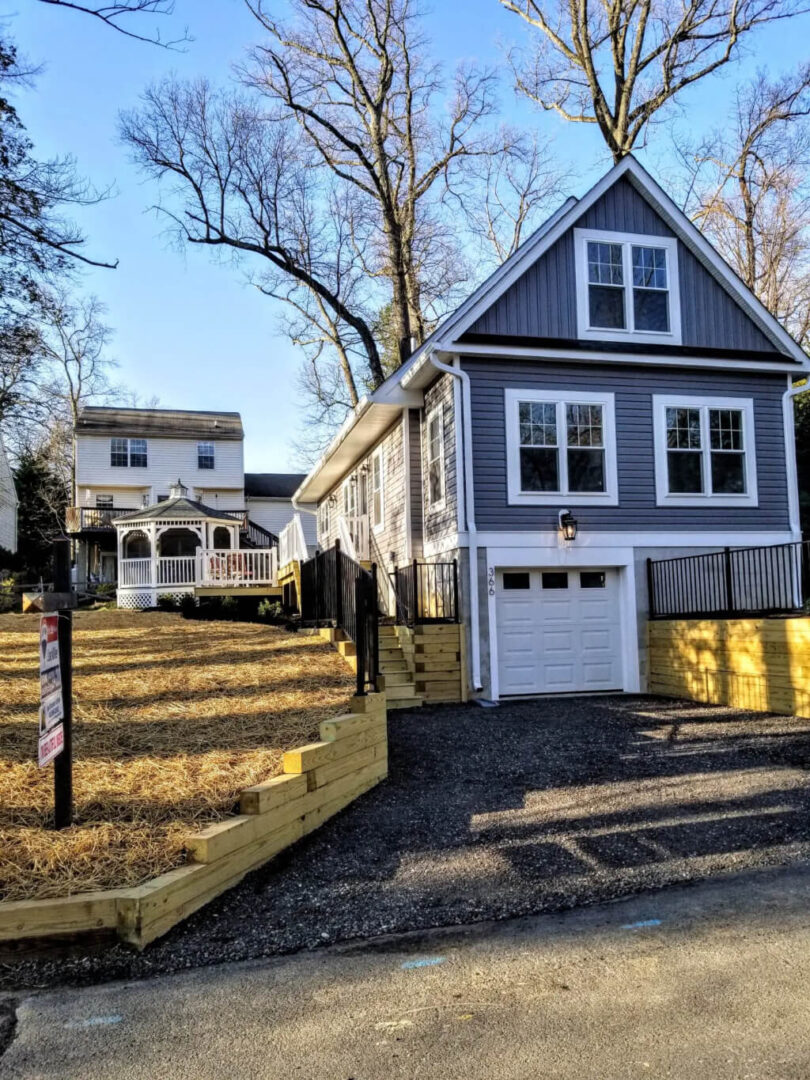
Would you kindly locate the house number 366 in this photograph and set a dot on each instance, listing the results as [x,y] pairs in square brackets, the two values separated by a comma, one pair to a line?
[491,580]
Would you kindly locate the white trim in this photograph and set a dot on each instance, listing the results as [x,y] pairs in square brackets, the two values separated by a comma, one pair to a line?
[435,507]
[461,509]
[661,402]
[535,556]
[669,245]
[560,398]
[788,417]
[406,461]
[550,538]
[378,454]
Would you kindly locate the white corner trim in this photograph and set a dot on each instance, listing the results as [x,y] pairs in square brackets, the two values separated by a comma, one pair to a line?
[669,245]
[379,455]
[706,500]
[559,398]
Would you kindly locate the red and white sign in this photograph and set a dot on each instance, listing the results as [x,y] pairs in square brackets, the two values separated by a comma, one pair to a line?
[52,711]
[51,745]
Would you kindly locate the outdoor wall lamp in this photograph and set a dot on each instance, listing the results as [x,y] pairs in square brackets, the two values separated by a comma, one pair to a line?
[568,525]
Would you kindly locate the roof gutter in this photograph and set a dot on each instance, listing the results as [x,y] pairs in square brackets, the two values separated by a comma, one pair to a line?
[469,509]
[788,415]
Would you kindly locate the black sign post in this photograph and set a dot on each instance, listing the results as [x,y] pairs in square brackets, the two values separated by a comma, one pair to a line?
[63,764]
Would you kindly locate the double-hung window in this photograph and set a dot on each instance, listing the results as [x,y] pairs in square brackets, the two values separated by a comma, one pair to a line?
[128,453]
[627,287]
[323,519]
[434,437]
[205,455]
[560,446]
[377,503]
[704,451]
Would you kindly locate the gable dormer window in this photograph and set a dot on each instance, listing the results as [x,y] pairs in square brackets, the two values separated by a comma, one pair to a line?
[627,287]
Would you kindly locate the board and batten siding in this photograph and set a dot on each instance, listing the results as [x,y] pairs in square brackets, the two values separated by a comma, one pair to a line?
[274,514]
[168,460]
[634,387]
[542,303]
[443,521]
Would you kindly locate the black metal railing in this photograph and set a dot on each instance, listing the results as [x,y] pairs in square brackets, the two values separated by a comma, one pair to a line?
[337,591]
[736,581]
[78,518]
[426,593]
[258,535]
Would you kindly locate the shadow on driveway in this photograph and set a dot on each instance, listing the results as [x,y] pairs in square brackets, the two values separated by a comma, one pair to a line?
[488,813]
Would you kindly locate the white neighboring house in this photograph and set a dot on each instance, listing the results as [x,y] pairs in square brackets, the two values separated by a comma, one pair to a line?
[160,505]
[268,500]
[8,504]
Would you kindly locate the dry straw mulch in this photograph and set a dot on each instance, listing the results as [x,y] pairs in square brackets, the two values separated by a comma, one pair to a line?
[172,718]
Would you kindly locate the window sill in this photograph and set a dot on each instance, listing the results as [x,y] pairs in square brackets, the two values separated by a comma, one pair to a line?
[559,498]
[708,502]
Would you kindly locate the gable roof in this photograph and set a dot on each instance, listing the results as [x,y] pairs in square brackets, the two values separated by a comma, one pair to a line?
[456,324]
[169,423]
[268,485]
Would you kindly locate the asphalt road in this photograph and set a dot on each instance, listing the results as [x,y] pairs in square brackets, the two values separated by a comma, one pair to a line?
[706,981]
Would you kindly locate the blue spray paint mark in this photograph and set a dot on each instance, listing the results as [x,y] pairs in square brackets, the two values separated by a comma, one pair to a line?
[641,925]
[94,1021]
[425,961]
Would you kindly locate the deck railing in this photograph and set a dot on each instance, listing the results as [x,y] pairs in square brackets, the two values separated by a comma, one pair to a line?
[292,544]
[736,581]
[426,593]
[222,566]
[78,518]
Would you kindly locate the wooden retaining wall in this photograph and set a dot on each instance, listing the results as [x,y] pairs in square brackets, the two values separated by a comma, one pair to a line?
[318,781]
[440,662]
[760,664]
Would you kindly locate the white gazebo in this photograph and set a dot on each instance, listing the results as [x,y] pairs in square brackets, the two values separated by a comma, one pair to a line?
[180,546]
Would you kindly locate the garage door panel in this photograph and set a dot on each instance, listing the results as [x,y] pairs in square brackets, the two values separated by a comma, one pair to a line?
[555,640]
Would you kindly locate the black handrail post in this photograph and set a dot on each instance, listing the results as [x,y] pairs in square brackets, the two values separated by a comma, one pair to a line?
[729,581]
[338,586]
[650,589]
[455,591]
[63,764]
[375,630]
[360,632]
[415,610]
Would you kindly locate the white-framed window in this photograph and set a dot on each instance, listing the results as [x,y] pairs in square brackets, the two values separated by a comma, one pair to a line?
[560,446]
[205,455]
[377,481]
[434,454]
[350,497]
[323,518]
[705,453]
[128,453]
[627,287]
[104,502]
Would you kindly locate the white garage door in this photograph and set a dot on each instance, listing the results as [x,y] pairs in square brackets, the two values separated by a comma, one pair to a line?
[559,631]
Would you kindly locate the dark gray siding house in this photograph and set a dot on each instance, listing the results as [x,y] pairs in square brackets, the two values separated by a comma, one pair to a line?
[613,392]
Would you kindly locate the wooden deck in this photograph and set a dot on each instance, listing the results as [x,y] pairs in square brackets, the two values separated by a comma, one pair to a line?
[238,590]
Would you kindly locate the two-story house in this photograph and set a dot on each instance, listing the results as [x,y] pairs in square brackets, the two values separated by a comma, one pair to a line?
[128,461]
[612,392]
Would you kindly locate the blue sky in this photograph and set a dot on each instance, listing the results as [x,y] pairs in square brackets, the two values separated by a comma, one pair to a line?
[189,330]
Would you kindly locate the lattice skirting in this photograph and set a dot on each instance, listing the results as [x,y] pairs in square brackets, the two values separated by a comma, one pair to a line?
[148,598]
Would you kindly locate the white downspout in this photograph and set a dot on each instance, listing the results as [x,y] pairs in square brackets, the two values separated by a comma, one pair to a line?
[790,454]
[469,507]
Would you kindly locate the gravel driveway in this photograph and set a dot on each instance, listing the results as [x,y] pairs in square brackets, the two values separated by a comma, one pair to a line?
[488,813]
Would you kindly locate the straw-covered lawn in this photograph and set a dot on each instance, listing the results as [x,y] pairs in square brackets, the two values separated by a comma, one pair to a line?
[172,719]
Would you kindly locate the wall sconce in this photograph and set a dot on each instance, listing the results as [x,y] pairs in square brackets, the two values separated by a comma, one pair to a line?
[568,525]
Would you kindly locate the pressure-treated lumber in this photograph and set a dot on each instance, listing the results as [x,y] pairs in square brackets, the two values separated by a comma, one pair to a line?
[352,758]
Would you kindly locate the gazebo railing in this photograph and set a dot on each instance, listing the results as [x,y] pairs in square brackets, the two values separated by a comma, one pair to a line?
[135,572]
[176,570]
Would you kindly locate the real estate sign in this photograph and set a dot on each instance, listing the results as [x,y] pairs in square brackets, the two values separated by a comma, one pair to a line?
[51,708]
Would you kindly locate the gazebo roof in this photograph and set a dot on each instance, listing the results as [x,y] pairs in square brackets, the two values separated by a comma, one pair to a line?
[179,509]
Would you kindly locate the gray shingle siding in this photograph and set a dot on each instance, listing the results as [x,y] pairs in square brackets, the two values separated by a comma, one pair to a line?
[442,522]
[634,387]
[542,303]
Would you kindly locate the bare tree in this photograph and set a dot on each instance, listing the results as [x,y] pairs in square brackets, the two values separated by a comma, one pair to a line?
[749,191]
[617,63]
[116,16]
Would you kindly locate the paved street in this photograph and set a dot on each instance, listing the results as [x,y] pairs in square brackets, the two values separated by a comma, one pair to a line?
[706,981]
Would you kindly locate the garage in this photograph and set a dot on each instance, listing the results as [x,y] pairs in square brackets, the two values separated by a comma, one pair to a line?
[558,630]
